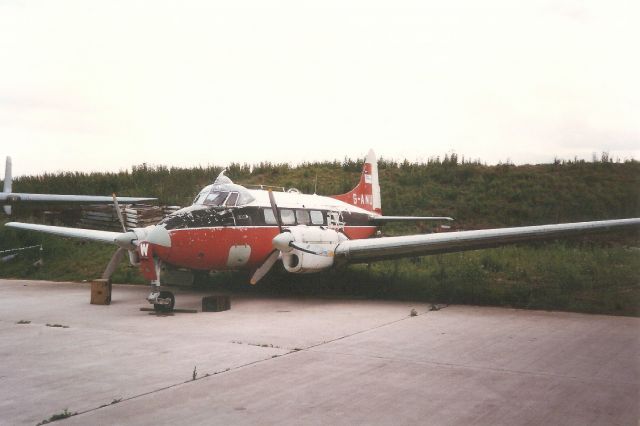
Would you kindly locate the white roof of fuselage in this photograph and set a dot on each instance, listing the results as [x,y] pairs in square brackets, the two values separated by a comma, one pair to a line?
[299,200]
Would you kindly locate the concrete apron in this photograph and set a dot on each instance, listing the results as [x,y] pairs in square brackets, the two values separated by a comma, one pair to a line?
[308,361]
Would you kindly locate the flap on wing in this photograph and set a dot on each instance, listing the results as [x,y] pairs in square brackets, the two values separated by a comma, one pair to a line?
[359,251]
[83,234]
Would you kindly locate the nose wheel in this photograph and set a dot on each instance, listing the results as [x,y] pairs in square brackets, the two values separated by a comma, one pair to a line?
[163,301]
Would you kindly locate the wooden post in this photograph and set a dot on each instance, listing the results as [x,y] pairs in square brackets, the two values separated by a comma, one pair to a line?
[101,291]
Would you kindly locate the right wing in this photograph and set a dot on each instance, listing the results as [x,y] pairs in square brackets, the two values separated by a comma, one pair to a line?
[83,234]
[365,250]
[379,220]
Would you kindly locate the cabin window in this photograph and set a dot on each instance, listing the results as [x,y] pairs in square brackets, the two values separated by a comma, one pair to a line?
[231,200]
[269,218]
[317,218]
[287,216]
[302,216]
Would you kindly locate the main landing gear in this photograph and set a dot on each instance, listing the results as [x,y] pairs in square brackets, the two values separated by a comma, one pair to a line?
[163,301]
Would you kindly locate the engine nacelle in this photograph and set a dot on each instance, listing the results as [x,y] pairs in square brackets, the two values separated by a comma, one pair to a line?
[299,262]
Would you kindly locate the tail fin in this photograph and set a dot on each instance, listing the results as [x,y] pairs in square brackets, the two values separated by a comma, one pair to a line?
[366,194]
[8,182]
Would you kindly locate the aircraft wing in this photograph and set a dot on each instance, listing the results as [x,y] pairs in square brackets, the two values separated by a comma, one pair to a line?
[386,219]
[361,251]
[83,234]
[17,197]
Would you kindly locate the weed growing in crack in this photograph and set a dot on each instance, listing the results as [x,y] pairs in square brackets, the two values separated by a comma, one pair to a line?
[66,413]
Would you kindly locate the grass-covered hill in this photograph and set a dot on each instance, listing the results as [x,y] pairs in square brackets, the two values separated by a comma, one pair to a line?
[595,274]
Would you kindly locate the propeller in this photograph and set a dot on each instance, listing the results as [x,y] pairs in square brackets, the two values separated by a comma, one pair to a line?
[118,212]
[119,254]
[284,242]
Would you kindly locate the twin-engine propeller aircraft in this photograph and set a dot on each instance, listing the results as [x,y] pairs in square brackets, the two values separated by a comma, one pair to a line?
[8,197]
[231,227]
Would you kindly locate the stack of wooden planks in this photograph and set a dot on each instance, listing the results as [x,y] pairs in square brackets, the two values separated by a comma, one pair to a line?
[141,215]
[101,217]
[104,217]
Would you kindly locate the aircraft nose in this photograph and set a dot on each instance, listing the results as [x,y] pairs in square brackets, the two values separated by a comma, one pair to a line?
[159,236]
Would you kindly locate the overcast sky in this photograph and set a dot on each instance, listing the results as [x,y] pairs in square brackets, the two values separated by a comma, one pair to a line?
[102,85]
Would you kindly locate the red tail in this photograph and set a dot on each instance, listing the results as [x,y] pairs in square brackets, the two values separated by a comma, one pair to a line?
[366,194]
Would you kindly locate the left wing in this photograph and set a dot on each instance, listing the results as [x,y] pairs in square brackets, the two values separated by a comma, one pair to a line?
[361,251]
[62,231]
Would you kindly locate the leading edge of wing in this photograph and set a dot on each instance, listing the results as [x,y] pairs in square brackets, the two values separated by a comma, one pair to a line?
[359,251]
[17,197]
[83,234]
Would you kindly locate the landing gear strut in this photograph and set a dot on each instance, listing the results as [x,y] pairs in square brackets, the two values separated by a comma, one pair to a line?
[163,301]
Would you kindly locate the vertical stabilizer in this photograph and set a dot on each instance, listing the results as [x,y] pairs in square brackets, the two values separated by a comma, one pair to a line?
[8,179]
[366,194]
[8,182]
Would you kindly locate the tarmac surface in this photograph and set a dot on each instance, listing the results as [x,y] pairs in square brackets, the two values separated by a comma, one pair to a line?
[308,361]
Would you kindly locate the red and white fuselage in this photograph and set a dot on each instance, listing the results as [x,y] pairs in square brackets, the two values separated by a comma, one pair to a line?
[230,227]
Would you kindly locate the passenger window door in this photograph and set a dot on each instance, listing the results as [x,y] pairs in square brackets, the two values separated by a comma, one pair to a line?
[302,217]
[269,218]
[317,218]
[287,216]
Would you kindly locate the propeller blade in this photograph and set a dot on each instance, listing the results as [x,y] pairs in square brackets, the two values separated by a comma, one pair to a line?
[317,252]
[265,267]
[119,212]
[113,263]
[275,210]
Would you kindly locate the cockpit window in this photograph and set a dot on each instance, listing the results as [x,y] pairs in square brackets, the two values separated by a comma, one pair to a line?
[223,192]
[231,199]
[202,195]
[216,198]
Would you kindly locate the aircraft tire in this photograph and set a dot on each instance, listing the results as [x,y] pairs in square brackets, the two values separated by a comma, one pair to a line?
[165,308]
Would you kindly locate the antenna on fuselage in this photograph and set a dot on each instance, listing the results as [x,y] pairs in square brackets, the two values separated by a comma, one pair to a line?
[315,187]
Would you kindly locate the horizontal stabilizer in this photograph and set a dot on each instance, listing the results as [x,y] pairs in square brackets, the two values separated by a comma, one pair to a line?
[387,219]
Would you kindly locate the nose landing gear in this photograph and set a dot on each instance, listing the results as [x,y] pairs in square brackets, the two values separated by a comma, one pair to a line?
[163,301]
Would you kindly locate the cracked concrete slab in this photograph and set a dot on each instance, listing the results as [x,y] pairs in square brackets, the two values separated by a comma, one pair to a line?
[309,361]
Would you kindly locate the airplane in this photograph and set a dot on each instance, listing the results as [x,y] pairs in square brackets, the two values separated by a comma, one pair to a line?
[8,197]
[232,227]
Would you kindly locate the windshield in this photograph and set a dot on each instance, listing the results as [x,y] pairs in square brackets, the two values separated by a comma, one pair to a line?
[228,195]
[223,192]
